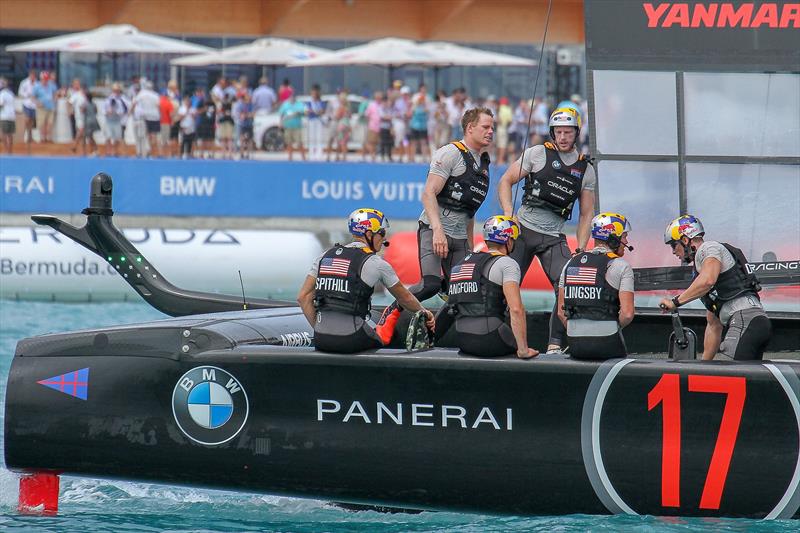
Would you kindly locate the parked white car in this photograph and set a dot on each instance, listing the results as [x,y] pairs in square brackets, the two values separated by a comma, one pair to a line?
[268,134]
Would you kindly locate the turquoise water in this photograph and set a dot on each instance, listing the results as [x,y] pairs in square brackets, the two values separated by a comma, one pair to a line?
[102,505]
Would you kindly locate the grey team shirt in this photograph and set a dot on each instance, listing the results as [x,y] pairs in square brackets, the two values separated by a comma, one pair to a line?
[544,220]
[725,258]
[620,276]
[447,161]
[504,270]
[375,269]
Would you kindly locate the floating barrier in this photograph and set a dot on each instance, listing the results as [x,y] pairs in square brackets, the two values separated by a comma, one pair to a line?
[38,263]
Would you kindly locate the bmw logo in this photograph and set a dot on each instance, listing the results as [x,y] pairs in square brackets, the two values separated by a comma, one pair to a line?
[556,165]
[584,259]
[209,405]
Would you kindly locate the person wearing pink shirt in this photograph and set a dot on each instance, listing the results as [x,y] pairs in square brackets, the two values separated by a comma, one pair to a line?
[373,114]
[285,91]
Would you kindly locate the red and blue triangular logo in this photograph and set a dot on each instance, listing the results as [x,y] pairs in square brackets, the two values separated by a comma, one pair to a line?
[75,383]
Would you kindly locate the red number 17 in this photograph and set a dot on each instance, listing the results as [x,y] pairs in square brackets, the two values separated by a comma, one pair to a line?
[667,393]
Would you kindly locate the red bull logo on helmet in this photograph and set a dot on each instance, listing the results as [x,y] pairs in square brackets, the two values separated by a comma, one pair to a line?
[606,230]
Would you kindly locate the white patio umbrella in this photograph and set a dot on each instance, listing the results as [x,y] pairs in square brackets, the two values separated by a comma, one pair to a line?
[465,56]
[393,53]
[267,51]
[113,39]
[389,52]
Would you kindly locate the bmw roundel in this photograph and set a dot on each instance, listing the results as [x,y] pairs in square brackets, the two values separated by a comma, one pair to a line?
[556,164]
[210,405]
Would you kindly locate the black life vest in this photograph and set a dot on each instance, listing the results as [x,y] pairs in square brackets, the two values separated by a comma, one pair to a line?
[467,191]
[471,293]
[339,286]
[587,294]
[557,185]
[732,283]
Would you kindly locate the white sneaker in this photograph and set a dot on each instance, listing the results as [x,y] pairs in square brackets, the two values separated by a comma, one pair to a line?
[554,351]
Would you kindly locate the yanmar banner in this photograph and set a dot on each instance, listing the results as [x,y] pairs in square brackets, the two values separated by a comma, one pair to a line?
[707,36]
[221,188]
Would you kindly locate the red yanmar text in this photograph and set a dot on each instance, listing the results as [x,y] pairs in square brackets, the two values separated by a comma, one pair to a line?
[722,15]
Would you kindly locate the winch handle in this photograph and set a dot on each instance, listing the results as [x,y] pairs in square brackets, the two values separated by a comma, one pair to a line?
[677,326]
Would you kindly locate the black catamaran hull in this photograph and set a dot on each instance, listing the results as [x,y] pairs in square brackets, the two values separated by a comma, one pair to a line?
[237,400]
[431,431]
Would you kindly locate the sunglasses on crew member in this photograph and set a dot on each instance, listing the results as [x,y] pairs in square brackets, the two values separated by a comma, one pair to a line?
[381,232]
[674,244]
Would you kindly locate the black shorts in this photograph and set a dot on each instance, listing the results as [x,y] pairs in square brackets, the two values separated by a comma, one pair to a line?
[746,335]
[609,347]
[419,135]
[153,126]
[205,132]
[363,339]
[174,130]
[499,342]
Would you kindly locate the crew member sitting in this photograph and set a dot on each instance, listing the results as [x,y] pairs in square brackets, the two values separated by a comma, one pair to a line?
[737,325]
[482,287]
[336,296]
[595,294]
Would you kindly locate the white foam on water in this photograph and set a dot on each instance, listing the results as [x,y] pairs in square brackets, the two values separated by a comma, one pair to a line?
[9,489]
[80,490]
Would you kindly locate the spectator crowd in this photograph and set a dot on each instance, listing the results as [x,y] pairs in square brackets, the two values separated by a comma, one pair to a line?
[394,125]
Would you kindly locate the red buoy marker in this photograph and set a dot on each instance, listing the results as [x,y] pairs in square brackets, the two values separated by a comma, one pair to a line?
[38,494]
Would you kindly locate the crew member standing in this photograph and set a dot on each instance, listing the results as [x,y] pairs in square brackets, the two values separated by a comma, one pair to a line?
[457,184]
[336,296]
[482,288]
[556,176]
[737,325]
[595,294]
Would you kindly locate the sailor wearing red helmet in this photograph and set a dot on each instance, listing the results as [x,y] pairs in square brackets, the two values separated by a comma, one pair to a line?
[484,287]
[336,297]
[595,292]
[737,325]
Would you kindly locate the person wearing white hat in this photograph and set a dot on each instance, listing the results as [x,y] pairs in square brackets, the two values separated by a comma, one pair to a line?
[556,176]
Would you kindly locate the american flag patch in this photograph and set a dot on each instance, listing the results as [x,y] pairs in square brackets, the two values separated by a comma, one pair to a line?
[334,267]
[581,275]
[462,272]
[576,173]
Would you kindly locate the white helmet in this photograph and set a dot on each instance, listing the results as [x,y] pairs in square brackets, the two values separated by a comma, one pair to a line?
[565,116]
[684,226]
